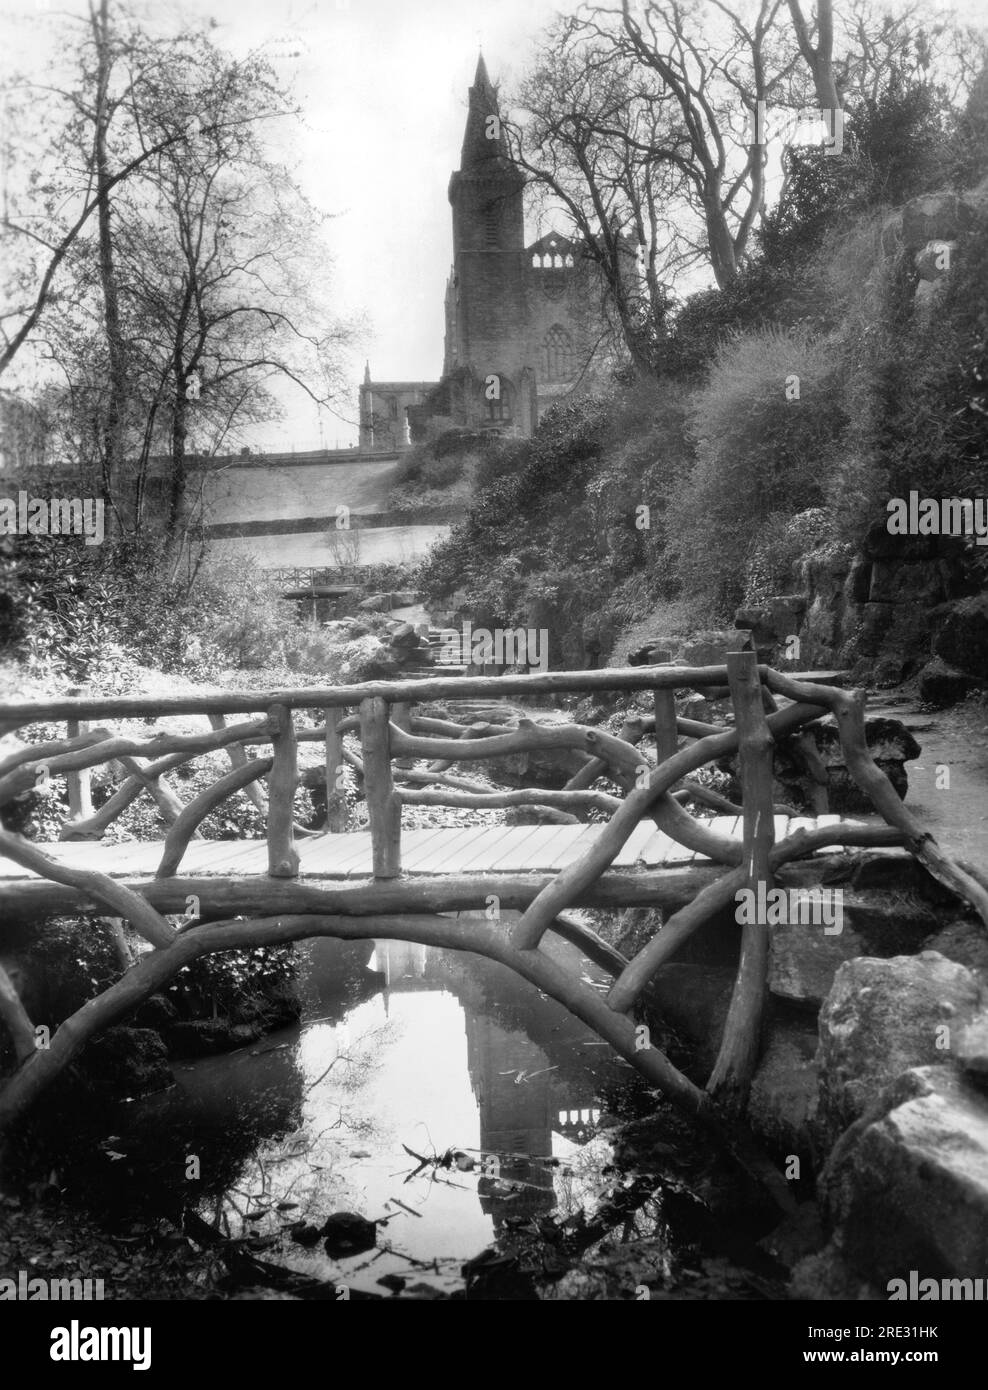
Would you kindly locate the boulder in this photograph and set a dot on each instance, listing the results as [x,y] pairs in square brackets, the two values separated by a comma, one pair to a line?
[348,1234]
[375,603]
[962,638]
[805,959]
[774,621]
[127,1061]
[941,685]
[972,1049]
[711,648]
[881,1018]
[964,942]
[906,1188]
[404,635]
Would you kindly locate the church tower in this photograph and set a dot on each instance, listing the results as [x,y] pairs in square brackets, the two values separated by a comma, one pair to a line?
[486,294]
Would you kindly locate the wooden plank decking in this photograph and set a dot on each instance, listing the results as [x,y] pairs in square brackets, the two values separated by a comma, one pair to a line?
[470,849]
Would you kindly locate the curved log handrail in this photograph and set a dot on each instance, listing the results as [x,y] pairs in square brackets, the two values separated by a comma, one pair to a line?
[122,902]
[720,893]
[180,834]
[24,777]
[558,895]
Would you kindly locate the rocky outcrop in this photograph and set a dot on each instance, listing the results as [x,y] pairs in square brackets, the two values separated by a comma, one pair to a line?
[881,1018]
[962,636]
[887,606]
[889,742]
[906,1188]
[941,685]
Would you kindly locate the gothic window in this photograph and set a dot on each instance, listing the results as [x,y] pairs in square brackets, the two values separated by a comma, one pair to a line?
[392,408]
[558,358]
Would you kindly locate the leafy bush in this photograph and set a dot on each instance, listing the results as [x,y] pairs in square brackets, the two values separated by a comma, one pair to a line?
[86,615]
[758,454]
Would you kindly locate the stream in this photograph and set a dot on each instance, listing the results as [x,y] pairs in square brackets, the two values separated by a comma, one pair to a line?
[435,1094]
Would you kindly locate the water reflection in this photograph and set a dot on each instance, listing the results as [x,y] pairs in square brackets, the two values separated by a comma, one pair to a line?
[406,1055]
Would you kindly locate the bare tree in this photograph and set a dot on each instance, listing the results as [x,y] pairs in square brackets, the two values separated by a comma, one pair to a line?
[819,57]
[206,276]
[645,129]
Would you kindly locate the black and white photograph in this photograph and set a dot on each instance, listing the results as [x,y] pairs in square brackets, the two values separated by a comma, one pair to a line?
[494,669]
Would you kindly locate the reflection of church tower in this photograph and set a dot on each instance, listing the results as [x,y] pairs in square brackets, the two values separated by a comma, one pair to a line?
[516,1116]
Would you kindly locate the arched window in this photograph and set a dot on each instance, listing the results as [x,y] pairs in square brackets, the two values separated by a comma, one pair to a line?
[558,358]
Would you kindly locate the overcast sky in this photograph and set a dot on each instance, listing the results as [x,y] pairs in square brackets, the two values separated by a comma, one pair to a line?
[383,84]
[383,88]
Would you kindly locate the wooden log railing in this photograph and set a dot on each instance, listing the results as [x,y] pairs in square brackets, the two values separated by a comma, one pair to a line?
[399,757]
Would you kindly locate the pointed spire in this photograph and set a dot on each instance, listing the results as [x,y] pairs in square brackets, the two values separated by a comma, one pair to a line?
[367,375]
[483,138]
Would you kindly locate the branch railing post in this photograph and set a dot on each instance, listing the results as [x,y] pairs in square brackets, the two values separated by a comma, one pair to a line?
[282,855]
[383,803]
[336,807]
[79,784]
[666,739]
[401,717]
[730,1080]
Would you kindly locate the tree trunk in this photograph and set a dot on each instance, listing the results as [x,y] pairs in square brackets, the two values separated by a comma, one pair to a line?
[180,430]
[113,426]
[819,60]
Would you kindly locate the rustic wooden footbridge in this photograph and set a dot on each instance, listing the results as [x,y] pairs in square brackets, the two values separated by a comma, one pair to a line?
[188,897]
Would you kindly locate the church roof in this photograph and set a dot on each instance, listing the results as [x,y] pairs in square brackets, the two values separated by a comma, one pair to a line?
[482,140]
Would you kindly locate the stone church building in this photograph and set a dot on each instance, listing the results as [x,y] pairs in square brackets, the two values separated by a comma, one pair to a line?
[523,322]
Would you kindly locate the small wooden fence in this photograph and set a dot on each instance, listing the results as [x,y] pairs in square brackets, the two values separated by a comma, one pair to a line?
[403,759]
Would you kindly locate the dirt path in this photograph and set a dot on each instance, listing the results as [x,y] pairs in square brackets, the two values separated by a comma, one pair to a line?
[948,782]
